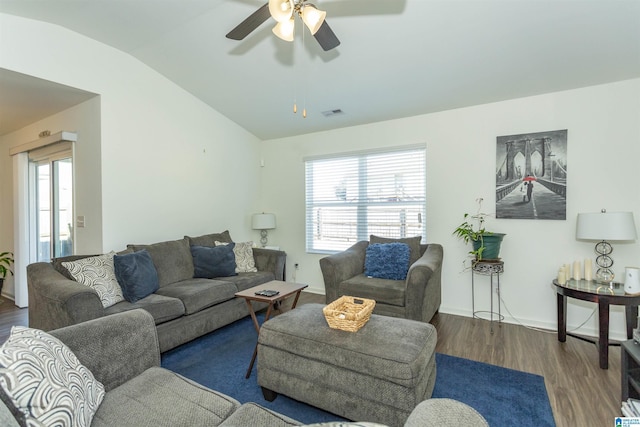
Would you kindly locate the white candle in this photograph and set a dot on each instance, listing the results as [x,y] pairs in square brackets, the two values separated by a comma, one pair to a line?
[562,278]
[588,269]
[576,270]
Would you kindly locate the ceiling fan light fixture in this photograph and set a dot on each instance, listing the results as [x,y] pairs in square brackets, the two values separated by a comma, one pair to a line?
[312,17]
[284,30]
[281,10]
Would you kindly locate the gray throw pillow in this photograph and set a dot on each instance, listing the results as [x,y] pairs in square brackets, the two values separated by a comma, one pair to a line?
[210,239]
[136,275]
[212,262]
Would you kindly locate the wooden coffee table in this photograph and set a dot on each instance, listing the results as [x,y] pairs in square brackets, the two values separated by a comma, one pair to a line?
[285,290]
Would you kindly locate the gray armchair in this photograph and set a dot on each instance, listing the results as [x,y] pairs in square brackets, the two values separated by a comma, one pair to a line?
[417,298]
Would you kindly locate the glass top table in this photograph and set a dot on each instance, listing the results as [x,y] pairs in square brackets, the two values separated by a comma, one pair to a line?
[604,295]
[593,287]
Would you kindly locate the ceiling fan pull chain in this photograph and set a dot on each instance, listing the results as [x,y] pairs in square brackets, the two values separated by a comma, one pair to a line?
[304,100]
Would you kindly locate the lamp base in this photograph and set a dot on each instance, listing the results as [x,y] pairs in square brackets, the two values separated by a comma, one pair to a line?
[263,238]
[604,273]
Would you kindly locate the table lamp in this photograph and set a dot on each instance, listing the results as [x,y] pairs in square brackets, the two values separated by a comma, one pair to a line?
[605,226]
[263,222]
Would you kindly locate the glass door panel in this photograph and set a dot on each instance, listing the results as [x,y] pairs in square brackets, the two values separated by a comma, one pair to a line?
[43,208]
[54,206]
[62,208]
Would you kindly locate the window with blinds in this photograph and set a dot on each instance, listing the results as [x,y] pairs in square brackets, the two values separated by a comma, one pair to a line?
[352,196]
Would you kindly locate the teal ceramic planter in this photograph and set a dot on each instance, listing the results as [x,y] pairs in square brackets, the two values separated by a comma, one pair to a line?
[492,243]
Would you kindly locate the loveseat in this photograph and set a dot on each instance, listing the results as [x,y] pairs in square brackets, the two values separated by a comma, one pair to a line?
[416,297]
[122,355]
[183,307]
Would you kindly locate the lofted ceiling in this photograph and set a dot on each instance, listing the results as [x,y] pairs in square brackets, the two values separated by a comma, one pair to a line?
[397,58]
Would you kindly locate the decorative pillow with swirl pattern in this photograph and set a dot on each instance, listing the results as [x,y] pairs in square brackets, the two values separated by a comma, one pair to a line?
[45,382]
[98,273]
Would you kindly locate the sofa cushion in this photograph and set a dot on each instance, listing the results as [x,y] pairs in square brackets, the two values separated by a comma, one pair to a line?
[172,259]
[138,402]
[387,261]
[252,414]
[384,291]
[212,262]
[413,242]
[248,280]
[210,239]
[136,275]
[198,294]
[98,273]
[45,381]
[243,252]
[161,307]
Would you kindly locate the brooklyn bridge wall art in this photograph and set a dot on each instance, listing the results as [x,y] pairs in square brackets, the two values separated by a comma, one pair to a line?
[531,175]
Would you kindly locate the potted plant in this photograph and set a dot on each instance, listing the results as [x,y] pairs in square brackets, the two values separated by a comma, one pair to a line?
[486,244]
[6,259]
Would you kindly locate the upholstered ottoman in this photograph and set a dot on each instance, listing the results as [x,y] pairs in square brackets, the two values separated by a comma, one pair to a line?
[378,374]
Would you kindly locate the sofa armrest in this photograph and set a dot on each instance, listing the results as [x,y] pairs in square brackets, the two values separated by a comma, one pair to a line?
[270,260]
[114,348]
[341,266]
[56,302]
[423,291]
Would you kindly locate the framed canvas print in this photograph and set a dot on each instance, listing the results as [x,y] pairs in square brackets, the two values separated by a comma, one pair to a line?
[531,175]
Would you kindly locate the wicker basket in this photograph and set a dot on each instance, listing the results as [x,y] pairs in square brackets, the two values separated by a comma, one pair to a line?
[348,313]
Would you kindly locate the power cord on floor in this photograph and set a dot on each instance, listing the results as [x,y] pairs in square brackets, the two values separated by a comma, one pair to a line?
[547,331]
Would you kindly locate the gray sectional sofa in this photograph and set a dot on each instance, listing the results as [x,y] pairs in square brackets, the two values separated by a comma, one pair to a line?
[183,307]
[122,352]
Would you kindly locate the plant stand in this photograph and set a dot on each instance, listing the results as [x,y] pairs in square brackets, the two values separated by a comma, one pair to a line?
[487,268]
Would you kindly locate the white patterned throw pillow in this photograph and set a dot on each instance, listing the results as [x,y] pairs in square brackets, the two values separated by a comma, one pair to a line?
[244,257]
[97,272]
[46,382]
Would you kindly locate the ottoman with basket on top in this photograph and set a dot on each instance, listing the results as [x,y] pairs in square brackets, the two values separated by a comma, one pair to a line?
[378,373]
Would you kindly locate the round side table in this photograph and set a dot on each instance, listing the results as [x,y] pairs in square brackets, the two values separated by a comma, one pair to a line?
[491,269]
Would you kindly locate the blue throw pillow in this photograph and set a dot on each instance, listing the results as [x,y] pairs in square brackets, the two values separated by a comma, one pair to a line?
[387,261]
[136,275]
[212,262]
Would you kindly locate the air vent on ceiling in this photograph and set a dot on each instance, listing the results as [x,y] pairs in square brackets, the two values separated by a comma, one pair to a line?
[330,113]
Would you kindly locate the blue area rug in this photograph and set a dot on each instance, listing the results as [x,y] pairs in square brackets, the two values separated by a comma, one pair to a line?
[220,360]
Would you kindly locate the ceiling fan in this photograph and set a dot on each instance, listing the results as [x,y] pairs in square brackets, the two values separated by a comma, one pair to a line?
[284,12]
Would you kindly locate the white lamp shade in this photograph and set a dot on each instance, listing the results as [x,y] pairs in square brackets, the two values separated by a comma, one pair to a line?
[281,10]
[606,226]
[263,221]
[313,17]
[284,30]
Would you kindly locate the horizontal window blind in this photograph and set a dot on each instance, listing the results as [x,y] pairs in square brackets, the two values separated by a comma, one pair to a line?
[350,197]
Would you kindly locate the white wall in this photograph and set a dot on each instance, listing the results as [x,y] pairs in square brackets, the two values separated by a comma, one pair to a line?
[170,165]
[603,125]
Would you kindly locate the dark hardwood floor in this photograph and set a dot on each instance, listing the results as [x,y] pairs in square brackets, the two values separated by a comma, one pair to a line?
[581,394]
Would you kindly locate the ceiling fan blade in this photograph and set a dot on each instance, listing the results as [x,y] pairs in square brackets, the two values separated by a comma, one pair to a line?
[326,37]
[251,23]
